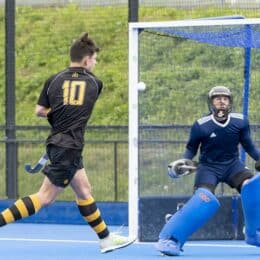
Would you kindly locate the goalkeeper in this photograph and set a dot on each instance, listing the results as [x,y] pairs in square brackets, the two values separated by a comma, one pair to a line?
[218,135]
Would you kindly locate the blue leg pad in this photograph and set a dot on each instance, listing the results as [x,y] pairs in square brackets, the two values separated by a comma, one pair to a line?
[195,213]
[251,208]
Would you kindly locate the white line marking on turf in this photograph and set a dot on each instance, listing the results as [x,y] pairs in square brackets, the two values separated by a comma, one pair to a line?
[217,245]
[94,242]
[47,240]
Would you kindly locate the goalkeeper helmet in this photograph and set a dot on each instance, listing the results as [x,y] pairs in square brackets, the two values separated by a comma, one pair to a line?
[220,114]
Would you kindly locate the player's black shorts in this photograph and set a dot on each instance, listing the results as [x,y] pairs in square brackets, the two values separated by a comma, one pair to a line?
[64,162]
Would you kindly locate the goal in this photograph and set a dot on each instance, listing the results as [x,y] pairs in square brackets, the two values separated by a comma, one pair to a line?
[172,66]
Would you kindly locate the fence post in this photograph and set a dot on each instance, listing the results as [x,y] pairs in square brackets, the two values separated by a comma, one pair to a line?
[115,172]
[133,6]
[11,146]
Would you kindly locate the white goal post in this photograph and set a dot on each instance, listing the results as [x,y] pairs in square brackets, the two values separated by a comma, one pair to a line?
[134,87]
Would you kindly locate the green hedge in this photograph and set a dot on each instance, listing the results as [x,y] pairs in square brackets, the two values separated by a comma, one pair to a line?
[43,37]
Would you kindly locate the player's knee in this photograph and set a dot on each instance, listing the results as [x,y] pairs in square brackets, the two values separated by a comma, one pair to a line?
[240,179]
[207,186]
[45,199]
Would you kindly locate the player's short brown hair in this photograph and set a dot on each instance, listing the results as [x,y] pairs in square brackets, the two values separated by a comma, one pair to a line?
[84,46]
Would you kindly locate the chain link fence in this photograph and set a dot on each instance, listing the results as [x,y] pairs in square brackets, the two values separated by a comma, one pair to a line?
[44,31]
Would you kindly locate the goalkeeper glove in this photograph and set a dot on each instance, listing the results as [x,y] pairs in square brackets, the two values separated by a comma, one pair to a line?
[181,167]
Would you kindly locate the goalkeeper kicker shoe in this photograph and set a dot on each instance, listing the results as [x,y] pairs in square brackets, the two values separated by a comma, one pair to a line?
[253,240]
[168,247]
[113,242]
[167,217]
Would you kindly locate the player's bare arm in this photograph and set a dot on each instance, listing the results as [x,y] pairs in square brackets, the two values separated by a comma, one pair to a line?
[41,111]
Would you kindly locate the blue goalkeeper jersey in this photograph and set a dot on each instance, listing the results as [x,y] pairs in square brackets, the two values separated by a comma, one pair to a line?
[219,143]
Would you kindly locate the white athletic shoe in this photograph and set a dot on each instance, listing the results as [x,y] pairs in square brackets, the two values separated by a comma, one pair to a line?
[114,241]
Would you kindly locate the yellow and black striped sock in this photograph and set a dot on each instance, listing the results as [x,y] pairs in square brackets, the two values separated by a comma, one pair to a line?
[22,208]
[88,209]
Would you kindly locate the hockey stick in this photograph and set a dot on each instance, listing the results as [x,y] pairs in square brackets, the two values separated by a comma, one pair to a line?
[28,168]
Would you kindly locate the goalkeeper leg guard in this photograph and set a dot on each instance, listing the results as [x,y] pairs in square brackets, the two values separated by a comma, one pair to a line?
[22,208]
[251,208]
[195,213]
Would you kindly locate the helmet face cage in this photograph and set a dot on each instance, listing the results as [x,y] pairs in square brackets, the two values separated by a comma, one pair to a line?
[219,91]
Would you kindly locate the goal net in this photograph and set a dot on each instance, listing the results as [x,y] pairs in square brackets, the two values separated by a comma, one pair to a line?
[172,66]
